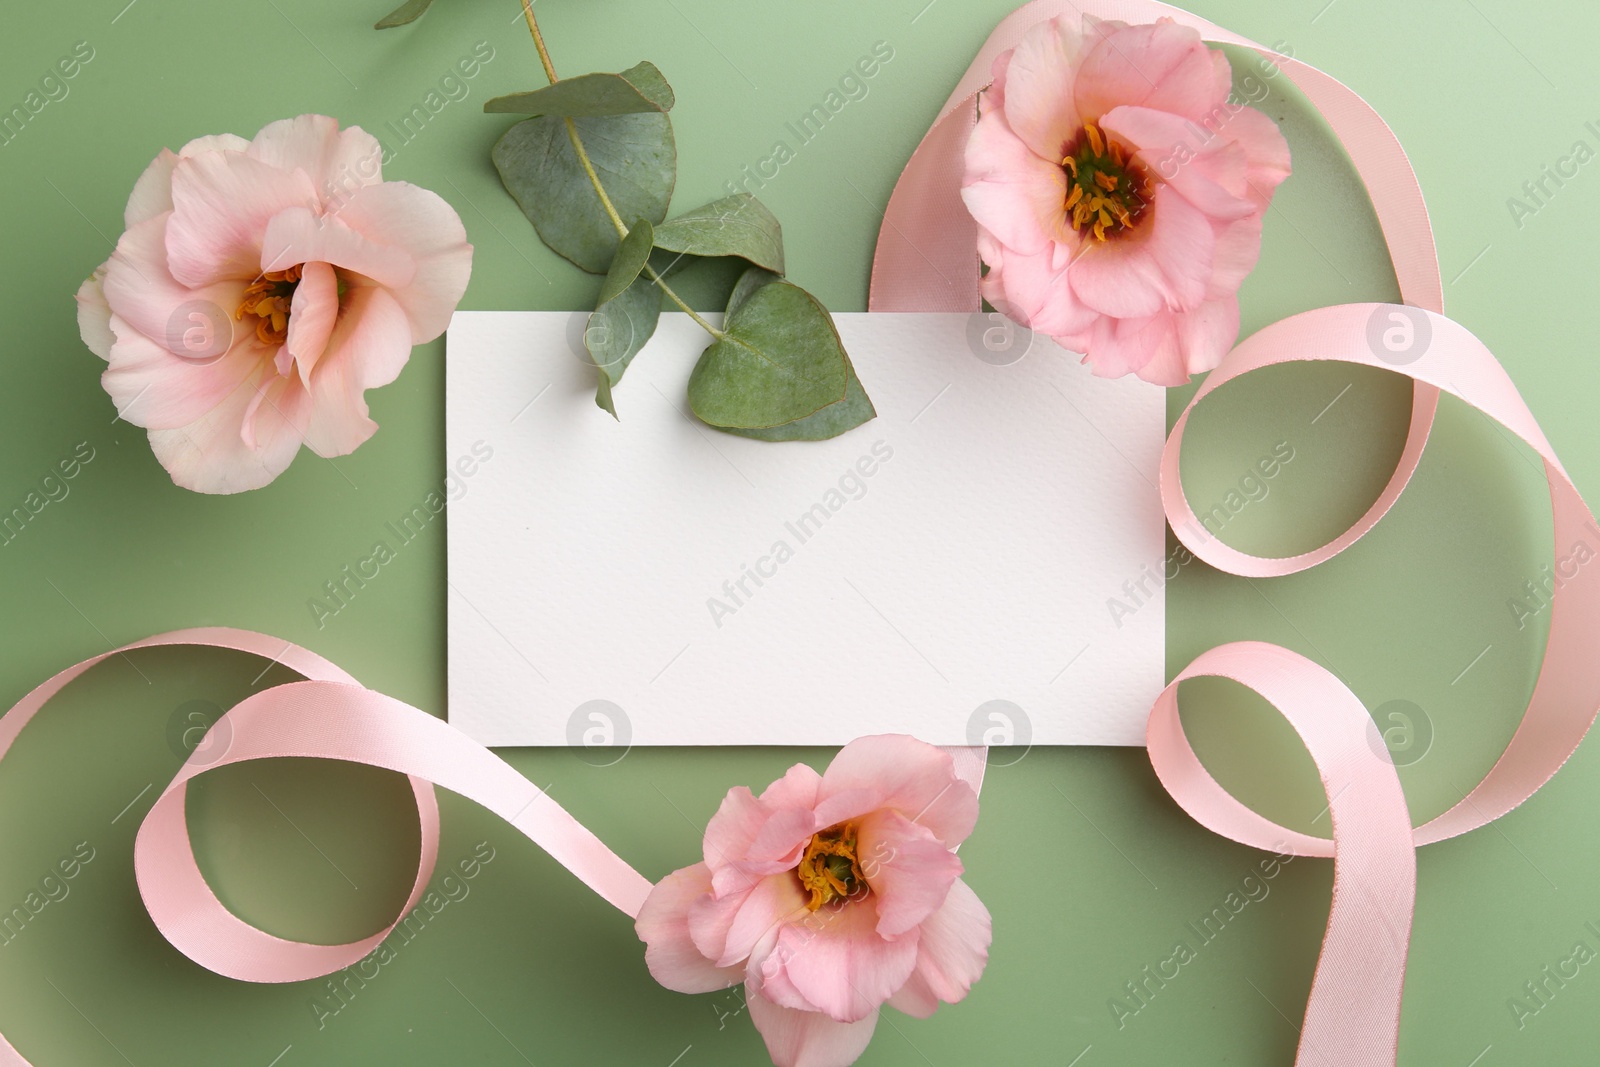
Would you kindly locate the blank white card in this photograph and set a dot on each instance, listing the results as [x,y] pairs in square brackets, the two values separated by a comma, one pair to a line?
[981,563]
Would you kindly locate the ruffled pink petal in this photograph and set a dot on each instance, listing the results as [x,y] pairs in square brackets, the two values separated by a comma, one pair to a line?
[951,954]
[222,202]
[1265,150]
[663,925]
[214,142]
[727,929]
[1038,87]
[196,323]
[796,789]
[210,454]
[94,314]
[1159,65]
[834,959]
[739,818]
[995,95]
[1211,173]
[1014,194]
[312,313]
[910,776]
[808,1038]
[1208,333]
[367,349]
[1038,291]
[277,415]
[152,193]
[298,235]
[338,161]
[909,870]
[1234,256]
[155,389]
[405,216]
[1162,265]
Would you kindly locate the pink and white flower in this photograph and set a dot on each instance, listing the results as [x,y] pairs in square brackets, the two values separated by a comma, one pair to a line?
[1119,192]
[829,896]
[260,289]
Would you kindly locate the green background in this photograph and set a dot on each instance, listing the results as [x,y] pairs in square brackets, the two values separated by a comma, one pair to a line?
[1090,870]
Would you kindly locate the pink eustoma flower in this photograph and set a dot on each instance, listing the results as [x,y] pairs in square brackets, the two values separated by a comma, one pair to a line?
[1119,190]
[829,896]
[260,289]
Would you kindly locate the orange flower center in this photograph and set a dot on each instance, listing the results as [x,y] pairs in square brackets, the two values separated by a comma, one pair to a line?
[829,870]
[1107,191]
[269,298]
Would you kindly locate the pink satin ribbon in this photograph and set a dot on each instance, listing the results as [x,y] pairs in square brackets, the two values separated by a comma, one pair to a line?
[927,261]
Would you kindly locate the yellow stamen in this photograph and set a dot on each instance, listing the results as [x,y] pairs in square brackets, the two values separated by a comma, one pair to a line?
[270,298]
[1107,190]
[1094,139]
[829,869]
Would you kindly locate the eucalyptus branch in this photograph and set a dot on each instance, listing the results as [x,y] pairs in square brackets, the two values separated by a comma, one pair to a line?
[594,178]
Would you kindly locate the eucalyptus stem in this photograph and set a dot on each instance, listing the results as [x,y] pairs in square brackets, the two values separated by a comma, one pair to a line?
[594,178]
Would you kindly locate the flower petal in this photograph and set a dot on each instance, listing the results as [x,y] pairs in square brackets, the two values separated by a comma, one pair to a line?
[1038,87]
[1162,265]
[1211,172]
[338,161]
[210,454]
[663,925]
[158,390]
[195,323]
[951,955]
[1014,194]
[727,929]
[222,202]
[1037,291]
[909,869]
[796,789]
[1159,65]
[912,777]
[808,1038]
[312,313]
[422,223]
[368,348]
[298,235]
[835,959]
[94,314]
[152,193]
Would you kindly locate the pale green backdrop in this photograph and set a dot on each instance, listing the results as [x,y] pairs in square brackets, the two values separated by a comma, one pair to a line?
[1090,870]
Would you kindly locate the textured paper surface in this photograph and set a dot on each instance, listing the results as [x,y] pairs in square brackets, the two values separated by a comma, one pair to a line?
[945,570]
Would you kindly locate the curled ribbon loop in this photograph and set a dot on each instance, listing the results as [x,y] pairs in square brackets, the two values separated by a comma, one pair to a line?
[1353,1017]
[926,260]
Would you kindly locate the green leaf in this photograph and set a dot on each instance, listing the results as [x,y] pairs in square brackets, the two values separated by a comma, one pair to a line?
[748,283]
[831,421]
[779,360]
[634,156]
[617,330]
[637,89]
[737,225]
[630,260]
[410,11]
